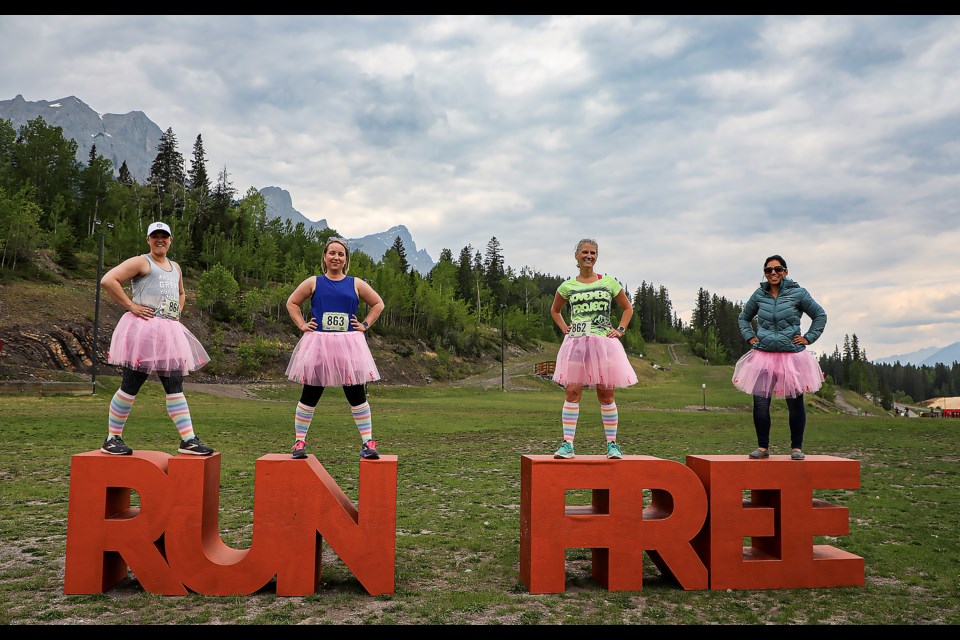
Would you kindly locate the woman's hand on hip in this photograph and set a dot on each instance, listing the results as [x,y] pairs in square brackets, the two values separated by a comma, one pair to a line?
[141,311]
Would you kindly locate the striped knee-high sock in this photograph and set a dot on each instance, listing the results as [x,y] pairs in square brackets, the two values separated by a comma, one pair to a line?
[179,412]
[569,417]
[119,411]
[302,420]
[610,417]
[363,420]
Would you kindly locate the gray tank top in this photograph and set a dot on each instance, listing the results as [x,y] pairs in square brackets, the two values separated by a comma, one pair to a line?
[159,289]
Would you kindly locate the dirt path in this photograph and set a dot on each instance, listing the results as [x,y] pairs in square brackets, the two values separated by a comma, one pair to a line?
[223,390]
[673,354]
[846,406]
[511,376]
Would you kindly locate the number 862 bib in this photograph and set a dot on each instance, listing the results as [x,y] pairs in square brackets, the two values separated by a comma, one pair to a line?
[580,329]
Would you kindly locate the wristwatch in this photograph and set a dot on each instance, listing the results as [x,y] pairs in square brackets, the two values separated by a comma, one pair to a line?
[365,325]
[622,329]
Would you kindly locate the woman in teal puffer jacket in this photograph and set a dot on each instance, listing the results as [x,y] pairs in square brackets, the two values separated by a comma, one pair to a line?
[778,363]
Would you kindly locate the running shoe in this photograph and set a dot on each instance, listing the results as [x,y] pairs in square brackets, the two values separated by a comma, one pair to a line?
[565,450]
[115,445]
[299,449]
[613,451]
[193,446]
[369,450]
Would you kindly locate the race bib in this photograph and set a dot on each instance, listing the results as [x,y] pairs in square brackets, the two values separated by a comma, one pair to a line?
[168,308]
[335,321]
[580,329]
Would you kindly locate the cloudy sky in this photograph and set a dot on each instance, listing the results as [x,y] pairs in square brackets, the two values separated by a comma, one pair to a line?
[690,147]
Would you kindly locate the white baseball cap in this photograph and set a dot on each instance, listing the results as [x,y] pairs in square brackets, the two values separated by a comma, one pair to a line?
[159,226]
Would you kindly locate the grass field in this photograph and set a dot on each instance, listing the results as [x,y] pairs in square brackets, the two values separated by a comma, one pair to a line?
[459,448]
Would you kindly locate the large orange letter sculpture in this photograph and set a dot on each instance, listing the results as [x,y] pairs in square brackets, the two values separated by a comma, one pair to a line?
[693,544]
[172,542]
[781,518]
[616,526]
[693,528]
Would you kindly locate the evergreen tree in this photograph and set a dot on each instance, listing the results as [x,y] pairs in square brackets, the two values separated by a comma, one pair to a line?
[198,181]
[478,285]
[401,253]
[642,312]
[222,200]
[465,274]
[199,215]
[493,272]
[701,311]
[123,176]
[167,177]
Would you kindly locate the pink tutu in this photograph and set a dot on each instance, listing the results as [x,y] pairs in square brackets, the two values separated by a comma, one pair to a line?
[155,345]
[778,373]
[332,359]
[593,361]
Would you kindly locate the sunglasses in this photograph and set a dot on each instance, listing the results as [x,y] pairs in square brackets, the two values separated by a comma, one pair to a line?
[769,270]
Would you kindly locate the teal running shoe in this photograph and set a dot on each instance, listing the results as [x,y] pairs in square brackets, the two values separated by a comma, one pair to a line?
[613,451]
[565,450]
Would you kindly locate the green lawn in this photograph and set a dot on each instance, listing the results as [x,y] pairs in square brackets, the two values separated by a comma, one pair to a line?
[459,449]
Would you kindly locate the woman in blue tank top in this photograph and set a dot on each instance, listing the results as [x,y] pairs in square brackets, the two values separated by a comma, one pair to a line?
[333,350]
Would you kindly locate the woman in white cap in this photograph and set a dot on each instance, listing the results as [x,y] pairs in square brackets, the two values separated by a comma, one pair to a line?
[151,339]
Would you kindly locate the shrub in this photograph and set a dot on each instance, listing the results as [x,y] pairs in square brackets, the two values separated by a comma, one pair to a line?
[252,354]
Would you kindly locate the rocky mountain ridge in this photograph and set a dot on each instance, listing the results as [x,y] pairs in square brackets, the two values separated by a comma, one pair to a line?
[133,138]
[927,357]
[280,205]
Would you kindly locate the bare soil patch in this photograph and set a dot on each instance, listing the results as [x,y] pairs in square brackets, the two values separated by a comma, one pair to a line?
[47,332]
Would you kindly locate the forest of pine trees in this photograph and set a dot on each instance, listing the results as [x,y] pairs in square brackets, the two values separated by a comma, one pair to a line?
[244,264]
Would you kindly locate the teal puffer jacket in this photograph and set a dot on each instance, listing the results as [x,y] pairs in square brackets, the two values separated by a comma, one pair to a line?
[778,319]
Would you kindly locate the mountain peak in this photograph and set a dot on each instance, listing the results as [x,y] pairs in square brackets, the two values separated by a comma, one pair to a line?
[926,357]
[133,138]
[280,205]
[376,245]
[130,138]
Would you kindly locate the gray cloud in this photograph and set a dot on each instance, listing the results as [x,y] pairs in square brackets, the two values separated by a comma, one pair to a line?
[691,147]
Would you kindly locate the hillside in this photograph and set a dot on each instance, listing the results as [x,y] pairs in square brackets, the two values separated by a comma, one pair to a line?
[47,327]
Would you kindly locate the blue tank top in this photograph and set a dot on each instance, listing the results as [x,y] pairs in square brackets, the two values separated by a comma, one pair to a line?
[338,300]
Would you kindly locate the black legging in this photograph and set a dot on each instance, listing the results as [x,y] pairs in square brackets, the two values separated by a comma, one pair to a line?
[761,420]
[132,380]
[356,394]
